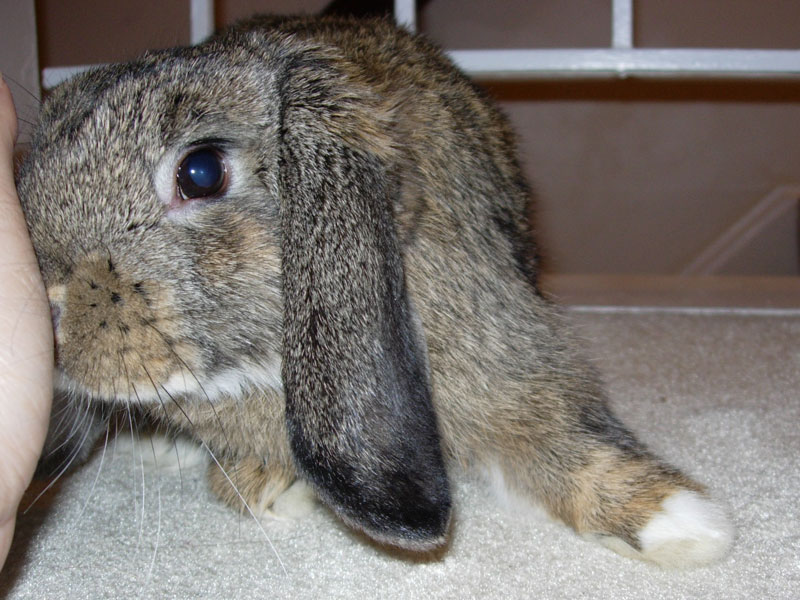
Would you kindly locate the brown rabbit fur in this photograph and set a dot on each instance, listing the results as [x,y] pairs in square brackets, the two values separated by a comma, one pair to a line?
[373,206]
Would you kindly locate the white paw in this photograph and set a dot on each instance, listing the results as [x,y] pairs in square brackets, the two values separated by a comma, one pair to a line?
[296,502]
[690,530]
[157,452]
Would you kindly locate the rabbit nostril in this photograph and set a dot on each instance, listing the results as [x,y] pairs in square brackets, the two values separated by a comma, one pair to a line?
[55,315]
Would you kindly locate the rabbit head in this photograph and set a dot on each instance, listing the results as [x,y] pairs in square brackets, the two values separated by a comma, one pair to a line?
[215,219]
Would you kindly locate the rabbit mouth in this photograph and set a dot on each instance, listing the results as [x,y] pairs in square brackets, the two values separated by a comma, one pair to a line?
[120,338]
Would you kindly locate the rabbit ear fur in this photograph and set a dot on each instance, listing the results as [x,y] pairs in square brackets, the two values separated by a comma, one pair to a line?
[359,414]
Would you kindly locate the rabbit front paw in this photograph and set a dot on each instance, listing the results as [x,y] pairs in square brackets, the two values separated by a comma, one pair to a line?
[266,489]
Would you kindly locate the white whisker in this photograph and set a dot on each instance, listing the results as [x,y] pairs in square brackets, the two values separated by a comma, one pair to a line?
[67,463]
[158,523]
[234,487]
[96,477]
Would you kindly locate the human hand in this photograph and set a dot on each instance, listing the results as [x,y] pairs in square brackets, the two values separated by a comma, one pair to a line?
[26,341]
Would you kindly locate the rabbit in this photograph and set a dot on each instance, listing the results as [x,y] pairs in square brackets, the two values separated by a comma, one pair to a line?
[307,242]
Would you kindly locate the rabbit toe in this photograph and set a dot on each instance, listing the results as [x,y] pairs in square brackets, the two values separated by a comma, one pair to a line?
[296,502]
[250,484]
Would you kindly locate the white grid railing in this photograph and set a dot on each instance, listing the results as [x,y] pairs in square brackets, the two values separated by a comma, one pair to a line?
[621,59]
[201,20]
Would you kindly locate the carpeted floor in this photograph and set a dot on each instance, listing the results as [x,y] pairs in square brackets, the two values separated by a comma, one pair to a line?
[714,392]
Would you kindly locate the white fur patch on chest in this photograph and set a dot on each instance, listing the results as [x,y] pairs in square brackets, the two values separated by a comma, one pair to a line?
[231,382]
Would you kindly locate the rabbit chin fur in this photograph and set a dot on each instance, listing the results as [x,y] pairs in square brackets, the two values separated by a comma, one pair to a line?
[229,383]
[354,300]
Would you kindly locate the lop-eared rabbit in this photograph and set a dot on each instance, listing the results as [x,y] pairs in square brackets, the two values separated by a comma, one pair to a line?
[306,243]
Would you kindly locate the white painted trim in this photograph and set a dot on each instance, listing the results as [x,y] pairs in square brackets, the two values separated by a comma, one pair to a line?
[621,62]
[731,241]
[52,76]
[622,24]
[614,309]
[201,20]
[405,14]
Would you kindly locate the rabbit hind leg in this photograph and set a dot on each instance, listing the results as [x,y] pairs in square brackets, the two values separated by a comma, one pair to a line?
[639,507]
[631,502]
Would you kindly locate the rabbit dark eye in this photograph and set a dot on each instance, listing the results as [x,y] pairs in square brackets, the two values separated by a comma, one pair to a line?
[201,174]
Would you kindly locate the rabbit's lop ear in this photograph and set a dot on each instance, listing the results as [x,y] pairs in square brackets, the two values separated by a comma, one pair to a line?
[360,419]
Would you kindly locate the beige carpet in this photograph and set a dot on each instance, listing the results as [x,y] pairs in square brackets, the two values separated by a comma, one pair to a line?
[715,392]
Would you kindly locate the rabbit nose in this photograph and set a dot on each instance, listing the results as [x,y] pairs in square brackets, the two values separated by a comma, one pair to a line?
[56,294]
[55,315]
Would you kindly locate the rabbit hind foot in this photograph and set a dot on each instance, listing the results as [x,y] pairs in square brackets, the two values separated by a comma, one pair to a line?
[630,502]
[642,508]
[689,530]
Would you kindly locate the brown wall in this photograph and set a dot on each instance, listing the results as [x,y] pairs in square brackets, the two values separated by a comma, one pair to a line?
[19,62]
[639,176]
[79,32]
[633,176]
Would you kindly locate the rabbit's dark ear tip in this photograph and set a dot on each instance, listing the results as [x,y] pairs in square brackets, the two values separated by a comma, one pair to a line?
[407,516]
[396,508]
[420,527]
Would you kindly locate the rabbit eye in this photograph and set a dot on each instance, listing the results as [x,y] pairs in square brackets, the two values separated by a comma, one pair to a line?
[201,174]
